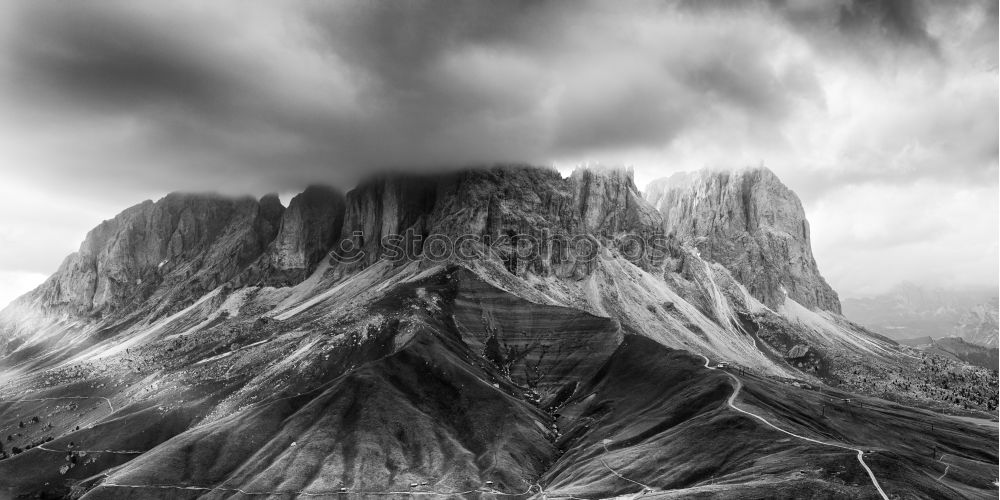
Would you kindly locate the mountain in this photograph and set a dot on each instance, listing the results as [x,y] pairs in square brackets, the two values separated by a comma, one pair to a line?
[310,225]
[980,325]
[909,310]
[958,349]
[491,332]
[752,224]
[183,244]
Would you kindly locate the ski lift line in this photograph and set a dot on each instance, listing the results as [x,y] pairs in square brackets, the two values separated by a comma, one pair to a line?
[738,386]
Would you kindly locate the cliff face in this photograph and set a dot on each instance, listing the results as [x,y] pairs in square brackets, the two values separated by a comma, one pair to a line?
[171,252]
[308,228]
[177,248]
[609,202]
[526,216]
[384,206]
[752,224]
[532,220]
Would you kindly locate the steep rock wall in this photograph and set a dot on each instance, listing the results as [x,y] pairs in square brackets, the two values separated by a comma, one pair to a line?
[752,224]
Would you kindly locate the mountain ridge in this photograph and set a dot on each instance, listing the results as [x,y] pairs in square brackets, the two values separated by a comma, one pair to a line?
[750,222]
[910,310]
[524,366]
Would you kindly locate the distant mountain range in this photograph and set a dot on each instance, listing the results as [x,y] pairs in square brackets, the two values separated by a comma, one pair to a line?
[501,332]
[958,349]
[909,311]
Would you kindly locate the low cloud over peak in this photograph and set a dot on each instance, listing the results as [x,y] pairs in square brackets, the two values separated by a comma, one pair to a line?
[110,102]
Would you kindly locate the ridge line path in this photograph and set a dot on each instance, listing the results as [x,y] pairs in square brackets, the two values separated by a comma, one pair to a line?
[106,400]
[738,386]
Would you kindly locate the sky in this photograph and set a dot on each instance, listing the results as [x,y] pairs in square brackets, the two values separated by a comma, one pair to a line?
[881,115]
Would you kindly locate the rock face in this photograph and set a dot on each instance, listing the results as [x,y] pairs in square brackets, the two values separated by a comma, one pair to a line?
[173,250]
[309,227]
[532,209]
[384,206]
[533,220]
[752,224]
[608,202]
[183,246]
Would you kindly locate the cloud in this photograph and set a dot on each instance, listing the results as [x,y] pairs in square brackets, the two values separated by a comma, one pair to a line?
[16,283]
[110,102]
[335,89]
[926,233]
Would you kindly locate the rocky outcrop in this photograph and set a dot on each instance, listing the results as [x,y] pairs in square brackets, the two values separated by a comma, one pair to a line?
[184,245]
[308,228]
[531,218]
[752,224]
[608,202]
[174,250]
[382,207]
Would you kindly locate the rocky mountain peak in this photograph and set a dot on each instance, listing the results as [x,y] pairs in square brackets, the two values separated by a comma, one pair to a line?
[181,245]
[496,206]
[609,201]
[751,223]
[307,229]
[184,245]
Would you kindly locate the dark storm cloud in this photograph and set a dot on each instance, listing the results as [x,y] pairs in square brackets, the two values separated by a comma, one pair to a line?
[898,21]
[200,99]
[107,102]
[410,83]
[111,60]
[208,90]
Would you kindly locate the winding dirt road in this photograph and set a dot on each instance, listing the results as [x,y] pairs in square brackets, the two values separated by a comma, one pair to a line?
[738,386]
